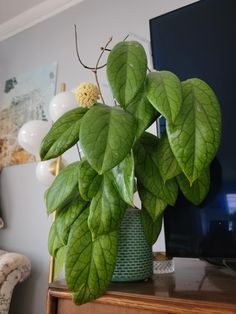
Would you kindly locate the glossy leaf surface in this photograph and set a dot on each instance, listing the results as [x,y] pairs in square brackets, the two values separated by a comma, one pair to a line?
[89,264]
[63,134]
[106,136]
[54,242]
[143,111]
[166,161]
[151,228]
[122,177]
[66,217]
[63,188]
[164,91]
[126,70]
[195,135]
[154,205]
[60,261]
[199,189]
[106,210]
[89,180]
[148,173]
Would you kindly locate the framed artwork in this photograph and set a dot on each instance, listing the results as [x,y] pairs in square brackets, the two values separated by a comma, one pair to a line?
[26,97]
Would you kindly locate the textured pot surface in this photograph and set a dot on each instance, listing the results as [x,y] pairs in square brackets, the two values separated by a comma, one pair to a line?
[134,260]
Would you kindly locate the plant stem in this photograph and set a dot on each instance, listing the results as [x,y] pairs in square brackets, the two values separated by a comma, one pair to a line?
[102,48]
[78,55]
[97,67]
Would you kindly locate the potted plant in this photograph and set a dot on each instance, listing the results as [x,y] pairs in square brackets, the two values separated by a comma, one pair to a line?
[91,196]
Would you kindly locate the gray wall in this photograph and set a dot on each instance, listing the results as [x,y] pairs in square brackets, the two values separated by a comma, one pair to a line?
[21,195]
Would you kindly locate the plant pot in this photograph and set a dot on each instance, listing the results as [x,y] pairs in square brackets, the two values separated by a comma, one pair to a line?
[134,259]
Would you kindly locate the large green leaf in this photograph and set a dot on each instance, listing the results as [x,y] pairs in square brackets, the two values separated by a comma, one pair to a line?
[147,170]
[166,161]
[143,111]
[63,134]
[66,217]
[164,91]
[154,205]
[151,228]
[195,135]
[60,261]
[122,177]
[199,189]
[106,210]
[89,180]
[126,70]
[54,241]
[89,264]
[106,136]
[63,188]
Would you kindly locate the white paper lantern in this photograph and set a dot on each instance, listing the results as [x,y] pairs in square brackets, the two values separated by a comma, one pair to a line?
[31,134]
[43,174]
[61,103]
[46,171]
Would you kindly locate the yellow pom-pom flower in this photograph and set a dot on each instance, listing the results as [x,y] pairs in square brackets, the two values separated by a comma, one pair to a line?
[86,94]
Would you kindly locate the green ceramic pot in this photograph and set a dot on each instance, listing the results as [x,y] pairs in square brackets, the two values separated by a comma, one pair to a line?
[134,260]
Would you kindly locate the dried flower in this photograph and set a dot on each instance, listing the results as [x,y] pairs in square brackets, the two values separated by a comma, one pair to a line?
[86,94]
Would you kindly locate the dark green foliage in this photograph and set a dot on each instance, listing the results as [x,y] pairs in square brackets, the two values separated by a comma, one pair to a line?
[91,196]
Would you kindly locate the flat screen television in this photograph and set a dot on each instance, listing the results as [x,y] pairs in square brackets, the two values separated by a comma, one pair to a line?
[199,40]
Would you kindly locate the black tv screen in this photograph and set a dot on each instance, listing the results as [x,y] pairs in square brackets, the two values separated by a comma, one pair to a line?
[199,40]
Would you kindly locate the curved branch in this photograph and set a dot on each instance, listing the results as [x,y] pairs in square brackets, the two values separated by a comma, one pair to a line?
[97,67]
[78,55]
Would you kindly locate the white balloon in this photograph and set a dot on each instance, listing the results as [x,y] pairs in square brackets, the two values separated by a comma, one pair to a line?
[31,134]
[45,171]
[61,103]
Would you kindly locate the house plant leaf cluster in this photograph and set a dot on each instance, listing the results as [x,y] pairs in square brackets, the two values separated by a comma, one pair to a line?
[91,196]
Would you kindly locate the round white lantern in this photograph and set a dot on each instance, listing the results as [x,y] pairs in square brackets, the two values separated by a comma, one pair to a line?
[46,170]
[31,134]
[61,103]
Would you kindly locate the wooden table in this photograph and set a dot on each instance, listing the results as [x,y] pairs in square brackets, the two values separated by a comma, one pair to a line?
[195,287]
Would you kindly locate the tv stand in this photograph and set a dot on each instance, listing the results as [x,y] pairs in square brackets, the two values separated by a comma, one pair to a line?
[195,287]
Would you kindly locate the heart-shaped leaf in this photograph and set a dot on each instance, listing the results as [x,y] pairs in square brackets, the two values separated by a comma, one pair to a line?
[143,111]
[126,70]
[166,161]
[89,181]
[122,177]
[89,264]
[151,228]
[106,210]
[199,189]
[148,173]
[106,136]
[195,135]
[154,205]
[63,188]
[63,134]
[164,91]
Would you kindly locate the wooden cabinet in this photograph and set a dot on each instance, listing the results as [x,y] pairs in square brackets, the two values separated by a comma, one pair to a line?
[195,287]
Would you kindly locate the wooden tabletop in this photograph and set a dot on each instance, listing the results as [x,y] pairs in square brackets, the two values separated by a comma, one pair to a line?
[193,279]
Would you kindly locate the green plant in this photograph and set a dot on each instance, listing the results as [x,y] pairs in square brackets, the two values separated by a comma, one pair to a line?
[91,195]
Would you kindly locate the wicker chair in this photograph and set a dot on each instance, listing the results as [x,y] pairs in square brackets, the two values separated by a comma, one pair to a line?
[14,268]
